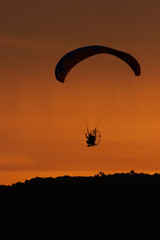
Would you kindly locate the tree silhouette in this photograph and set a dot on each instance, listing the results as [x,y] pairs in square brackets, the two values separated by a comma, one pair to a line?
[114,196]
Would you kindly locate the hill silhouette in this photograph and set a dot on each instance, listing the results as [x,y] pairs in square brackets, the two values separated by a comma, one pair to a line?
[118,196]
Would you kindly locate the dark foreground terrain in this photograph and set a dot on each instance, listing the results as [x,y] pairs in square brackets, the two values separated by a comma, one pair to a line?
[129,202]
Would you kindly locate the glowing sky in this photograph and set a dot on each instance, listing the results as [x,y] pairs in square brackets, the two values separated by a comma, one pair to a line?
[40,131]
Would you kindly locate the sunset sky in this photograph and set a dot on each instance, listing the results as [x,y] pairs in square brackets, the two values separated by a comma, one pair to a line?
[41,133]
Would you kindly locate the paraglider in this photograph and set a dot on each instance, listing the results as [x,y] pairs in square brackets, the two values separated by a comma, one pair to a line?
[93,137]
[75,57]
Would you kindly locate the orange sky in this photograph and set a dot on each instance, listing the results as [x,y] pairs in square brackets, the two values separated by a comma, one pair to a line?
[40,130]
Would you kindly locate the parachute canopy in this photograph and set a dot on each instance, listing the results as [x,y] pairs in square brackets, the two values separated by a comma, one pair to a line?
[69,60]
